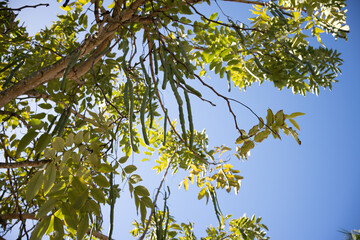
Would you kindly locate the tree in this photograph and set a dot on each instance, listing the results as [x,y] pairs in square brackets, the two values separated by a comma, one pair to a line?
[80,97]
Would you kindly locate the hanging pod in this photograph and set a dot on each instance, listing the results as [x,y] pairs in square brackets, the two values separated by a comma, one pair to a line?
[191,125]
[142,115]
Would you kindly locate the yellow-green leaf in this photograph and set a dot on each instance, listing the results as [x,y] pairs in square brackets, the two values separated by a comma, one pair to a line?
[43,141]
[295,124]
[141,191]
[101,181]
[49,177]
[295,114]
[25,141]
[261,136]
[34,185]
[46,207]
[98,195]
[58,144]
[83,227]
[201,193]
[130,168]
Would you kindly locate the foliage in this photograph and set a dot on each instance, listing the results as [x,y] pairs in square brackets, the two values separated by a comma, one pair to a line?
[351,235]
[78,98]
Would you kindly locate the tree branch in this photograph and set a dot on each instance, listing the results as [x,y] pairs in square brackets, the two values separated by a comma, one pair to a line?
[249,2]
[10,216]
[26,6]
[98,41]
[24,164]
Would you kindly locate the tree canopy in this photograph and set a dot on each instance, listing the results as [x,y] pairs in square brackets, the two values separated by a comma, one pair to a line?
[81,96]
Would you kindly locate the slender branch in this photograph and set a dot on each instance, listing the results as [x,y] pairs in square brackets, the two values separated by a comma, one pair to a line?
[10,216]
[26,6]
[223,97]
[156,196]
[221,23]
[256,3]
[97,234]
[249,2]
[24,164]
[230,109]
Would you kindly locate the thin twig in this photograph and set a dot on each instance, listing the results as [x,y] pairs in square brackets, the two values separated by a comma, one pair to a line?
[156,196]
[26,6]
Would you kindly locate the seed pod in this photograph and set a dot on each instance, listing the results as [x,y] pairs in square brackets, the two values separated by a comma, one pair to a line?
[155,60]
[147,78]
[73,59]
[191,125]
[192,90]
[165,125]
[131,112]
[166,68]
[126,96]
[184,54]
[262,68]
[142,115]
[151,113]
[181,112]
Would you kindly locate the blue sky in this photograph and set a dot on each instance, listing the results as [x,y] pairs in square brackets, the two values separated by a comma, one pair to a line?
[302,192]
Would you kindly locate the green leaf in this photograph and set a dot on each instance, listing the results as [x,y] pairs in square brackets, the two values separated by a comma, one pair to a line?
[34,185]
[49,177]
[279,118]
[247,146]
[80,200]
[70,140]
[46,207]
[58,229]
[58,144]
[130,168]
[201,193]
[43,141]
[45,106]
[97,194]
[186,184]
[143,212]
[83,227]
[147,201]
[141,191]
[123,159]
[269,117]
[40,228]
[295,135]
[36,123]
[69,215]
[101,181]
[95,208]
[135,179]
[78,183]
[78,137]
[295,114]
[261,136]
[295,124]
[25,141]
[105,168]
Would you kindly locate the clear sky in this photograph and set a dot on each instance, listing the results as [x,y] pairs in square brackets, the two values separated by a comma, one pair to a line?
[302,192]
